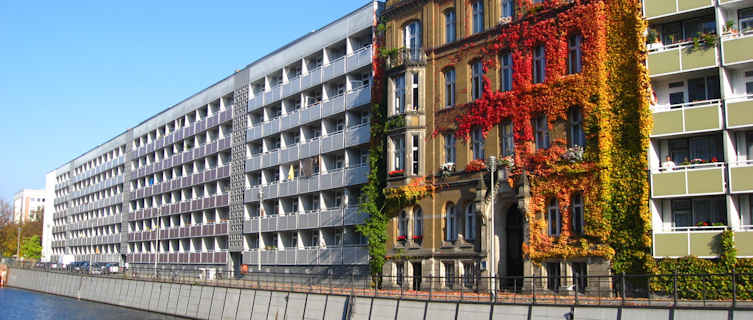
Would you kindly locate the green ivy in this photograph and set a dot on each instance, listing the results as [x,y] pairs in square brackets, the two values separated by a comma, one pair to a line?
[395,123]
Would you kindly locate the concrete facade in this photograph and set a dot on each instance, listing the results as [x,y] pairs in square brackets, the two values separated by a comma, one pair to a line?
[28,204]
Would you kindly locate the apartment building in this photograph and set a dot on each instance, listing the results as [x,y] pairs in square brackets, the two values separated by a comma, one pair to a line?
[700,61]
[261,168]
[520,81]
[27,205]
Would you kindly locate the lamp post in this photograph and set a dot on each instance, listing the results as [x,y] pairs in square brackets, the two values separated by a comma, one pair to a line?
[492,263]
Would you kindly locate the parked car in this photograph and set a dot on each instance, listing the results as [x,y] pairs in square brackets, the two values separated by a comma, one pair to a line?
[80,266]
[104,268]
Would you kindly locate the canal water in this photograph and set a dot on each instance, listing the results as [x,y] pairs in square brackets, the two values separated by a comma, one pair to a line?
[16,304]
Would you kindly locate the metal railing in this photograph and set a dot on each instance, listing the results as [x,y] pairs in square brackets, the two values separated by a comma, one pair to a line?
[712,291]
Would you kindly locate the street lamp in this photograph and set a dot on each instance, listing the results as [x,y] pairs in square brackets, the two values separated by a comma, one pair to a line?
[18,245]
[492,264]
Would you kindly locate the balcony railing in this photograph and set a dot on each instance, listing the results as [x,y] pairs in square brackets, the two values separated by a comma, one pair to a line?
[659,8]
[406,57]
[694,117]
[739,111]
[336,255]
[736,48]
[703,243]
[741,177]
[681,57]
[690,180]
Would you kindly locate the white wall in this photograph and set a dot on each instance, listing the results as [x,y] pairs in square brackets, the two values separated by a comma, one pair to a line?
[49,209]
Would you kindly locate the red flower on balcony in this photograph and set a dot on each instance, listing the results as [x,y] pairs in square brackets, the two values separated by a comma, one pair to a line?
[418,238]
[713,159]
[475,166]
[395,173]
[401,238]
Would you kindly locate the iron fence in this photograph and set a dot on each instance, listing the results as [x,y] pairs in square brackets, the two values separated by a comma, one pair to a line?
[724,291]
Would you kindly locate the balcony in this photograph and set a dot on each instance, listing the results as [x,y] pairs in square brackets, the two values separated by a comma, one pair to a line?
[740,112]
[332,142]
[360,58]
[741,177]
[313,78]
[291,87]
[334,106]
[253,163]
[332,179]
[308,220]
[289,154]
[404,57]
[737,49]
[271,127]
[334,69]
[358,97]
[253,133]
[311,113]
[274,94]
[270,159]
[354,216]
[691,180]
[680,57]
[659,8]
[692,117]
[357,135]
[331,218]
[698,242]
[255,103]
[290,120]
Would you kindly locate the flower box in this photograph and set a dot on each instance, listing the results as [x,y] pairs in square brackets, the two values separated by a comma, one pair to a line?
[402,238]
[475,166]
[418,238]
[396,173]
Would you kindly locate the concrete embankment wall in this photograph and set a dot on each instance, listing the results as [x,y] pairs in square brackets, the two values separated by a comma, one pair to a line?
[206,302]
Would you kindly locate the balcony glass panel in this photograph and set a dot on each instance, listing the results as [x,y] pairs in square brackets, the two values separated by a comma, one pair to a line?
[680,57]
[741,177]
[657,8]
[686,118]
[740,112]
[688,180]
[737,48]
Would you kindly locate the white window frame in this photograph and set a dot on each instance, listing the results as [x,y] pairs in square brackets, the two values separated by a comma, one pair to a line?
[415,154]
[398,150]
[412,36]
[399,99]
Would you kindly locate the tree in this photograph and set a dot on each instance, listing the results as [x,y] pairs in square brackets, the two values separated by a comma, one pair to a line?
[31,248]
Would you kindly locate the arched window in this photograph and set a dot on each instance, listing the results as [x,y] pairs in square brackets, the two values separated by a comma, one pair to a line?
[478,16]
[574,53]
[477,143]
[449,21]
[402,225]
[451,223]
[449,82]
[470,222]
[418,222]
[575,121]
[412,36]
[576,213]
[477,79]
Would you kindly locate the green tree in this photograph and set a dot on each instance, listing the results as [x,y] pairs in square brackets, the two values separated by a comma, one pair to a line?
[31,248]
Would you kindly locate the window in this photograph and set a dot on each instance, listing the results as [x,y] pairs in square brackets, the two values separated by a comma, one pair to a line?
[508,8]
[702,148]
[449,147]
[749,82]
[505,73]
[574,54]
[449,274]
[449,22]
[449,81]
[553,276]
[414,92]
[539,64]
[470,222]
[451,223]
[553,217]
[398,143]
[400,271]
[698,212]
[477,143]
[541,134]
[745,18]
[508,138]
[418,222]
[413,39]
[576,135]
[576,213]
[478,16]
[580,275]
[399,82]
[704,88]
[415,154]
[402,225]
[680,31]
[469,272]
[477,79]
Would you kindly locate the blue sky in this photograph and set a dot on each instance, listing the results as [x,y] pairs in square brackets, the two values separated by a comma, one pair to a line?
[74,74]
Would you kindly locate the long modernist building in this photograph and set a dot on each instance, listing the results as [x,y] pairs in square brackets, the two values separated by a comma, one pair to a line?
[261,168]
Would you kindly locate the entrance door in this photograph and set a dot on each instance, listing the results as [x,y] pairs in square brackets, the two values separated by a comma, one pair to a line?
[514,242]
[417,276]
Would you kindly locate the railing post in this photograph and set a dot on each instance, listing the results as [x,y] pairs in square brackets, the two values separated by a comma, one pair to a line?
[624,290]
[575,283]
[674,287]
[533,288]
[734,288]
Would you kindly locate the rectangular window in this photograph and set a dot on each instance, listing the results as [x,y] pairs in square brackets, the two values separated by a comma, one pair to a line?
[580,275]
[539,64]
[576,204]
[400,273]
[399,82]
[415,154]
[541,128]
[701,89]
[699,212]
[398,143]
[574,54]
[749,82]
[577,137]
[477,79]
[449,273]
[745,17]
[449,80]
[449,19]
[508,8]
[508,138]
[415,91]
[505,60]
[468,275]
[554,218]
[449,147]
[706,148]
[676,98]
[477,141]
[553,276]
[478,16]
